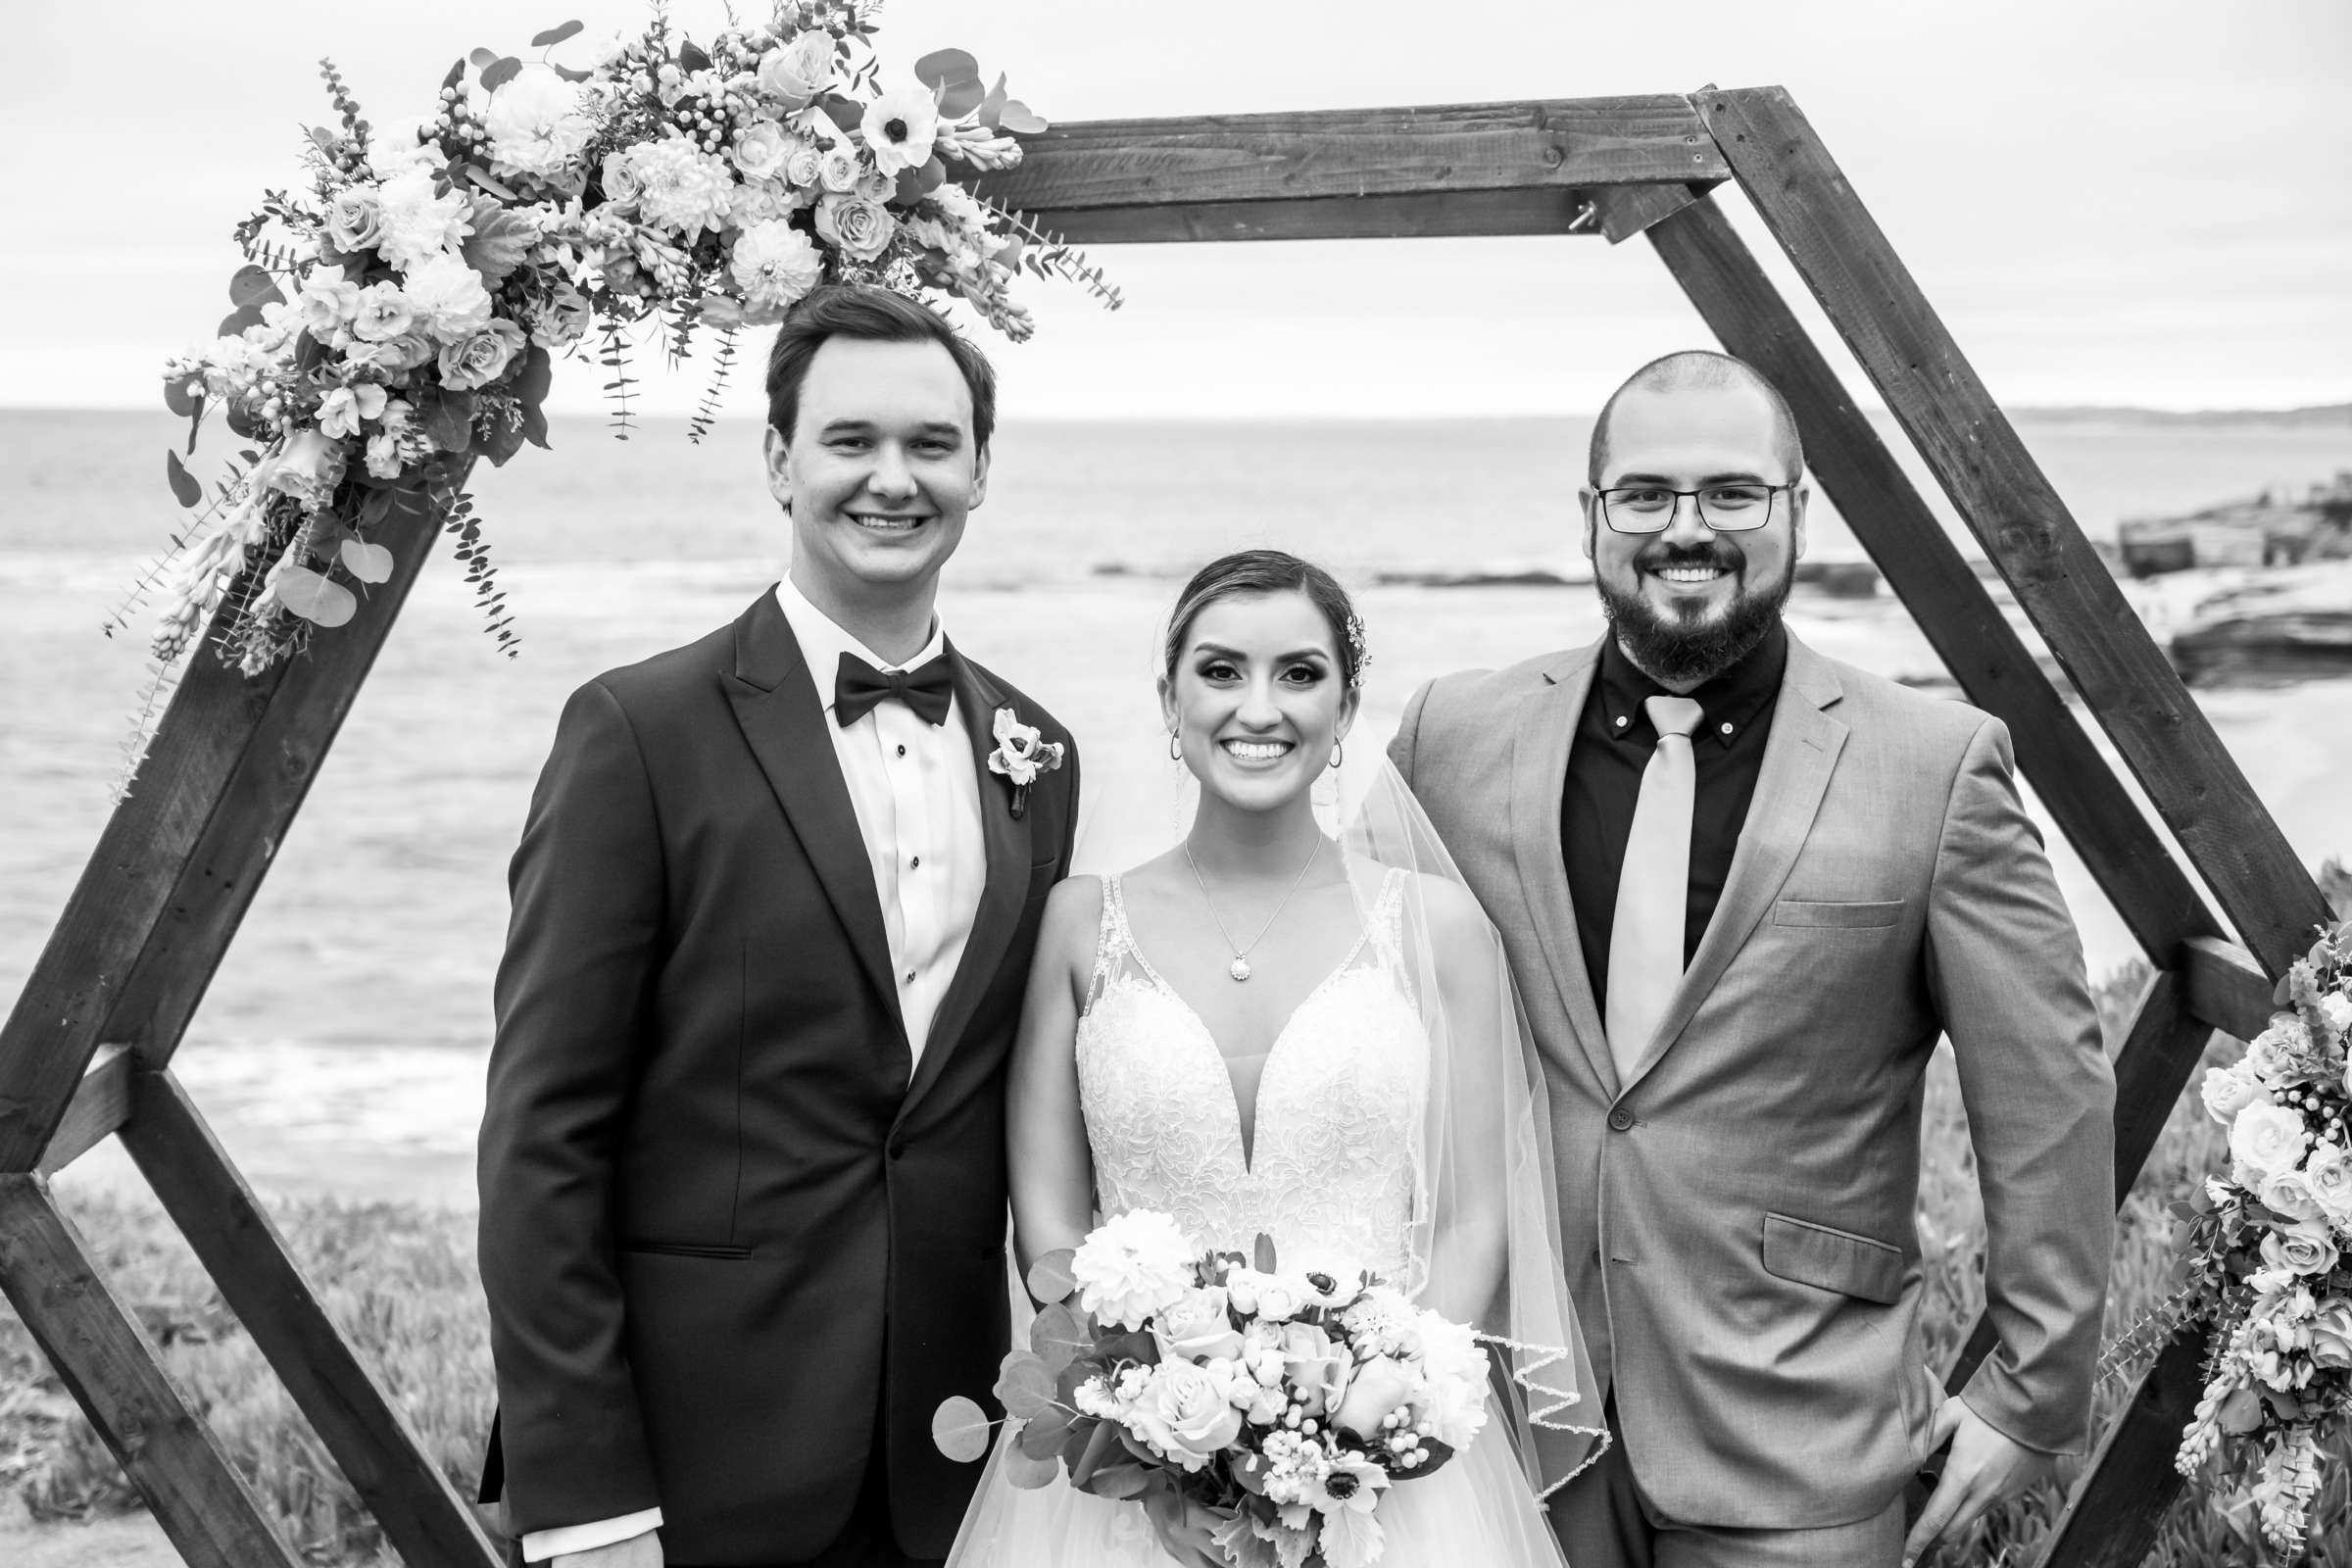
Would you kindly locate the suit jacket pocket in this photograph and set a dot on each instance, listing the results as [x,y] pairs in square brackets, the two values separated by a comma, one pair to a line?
[720,1251]
[1832,1260]
[1842,916]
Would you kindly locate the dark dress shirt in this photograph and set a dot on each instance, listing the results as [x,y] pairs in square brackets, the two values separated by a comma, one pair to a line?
[1613,742]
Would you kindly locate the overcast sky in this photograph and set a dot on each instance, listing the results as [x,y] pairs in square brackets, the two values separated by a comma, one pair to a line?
[2114,201]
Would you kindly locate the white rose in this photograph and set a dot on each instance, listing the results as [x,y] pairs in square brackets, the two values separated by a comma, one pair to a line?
[1453,1372]
[618,176]
[448,299]
[763,202]
[2287,1192]
[2329,1174]
[1268,1297]
[350,224]
[805,166]
[1199,1327]
[414,225]
[761,150]
[2227,1091]
[535,124]
[382,312]
[2337,1008]
[1132,1266]
[837,168]
[482,357]
[2305,1250]
[898,128]
[861,228]
[328,301]
[2267,1138]
[798,73]
[1186,1415]
[307,468]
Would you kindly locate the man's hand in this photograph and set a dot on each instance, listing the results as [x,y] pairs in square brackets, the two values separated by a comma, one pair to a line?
[1985,1466]
[638,1551]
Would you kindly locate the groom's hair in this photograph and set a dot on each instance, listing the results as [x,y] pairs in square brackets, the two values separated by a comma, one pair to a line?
[1699,370]
[878,315]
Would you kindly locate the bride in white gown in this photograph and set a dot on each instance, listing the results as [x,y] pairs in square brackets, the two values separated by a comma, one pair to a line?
[1267,1030]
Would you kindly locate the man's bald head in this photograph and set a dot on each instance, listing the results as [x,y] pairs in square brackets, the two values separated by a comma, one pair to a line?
[1699,371]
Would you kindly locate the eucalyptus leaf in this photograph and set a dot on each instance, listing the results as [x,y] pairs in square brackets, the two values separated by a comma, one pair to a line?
[1121,1481]
[556,35]
[1042,1434]
[1017,118]
[498,74]
[314,599]
[1050,1277]
[959,1429]
[569,75]
[184,488]
[325,139]
[253,287]
[366,562]
[457,73]
[1057,1336]
[1028,1472]
[1263,1253]
[691,57]
[959,98]
[845,113]
[483,58]
[1025,1386]
[945,68]
[179,399]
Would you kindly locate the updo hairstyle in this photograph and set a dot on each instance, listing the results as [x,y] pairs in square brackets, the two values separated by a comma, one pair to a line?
[1271,571]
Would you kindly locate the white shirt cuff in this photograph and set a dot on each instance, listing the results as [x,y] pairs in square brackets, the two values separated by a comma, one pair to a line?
[540,1545]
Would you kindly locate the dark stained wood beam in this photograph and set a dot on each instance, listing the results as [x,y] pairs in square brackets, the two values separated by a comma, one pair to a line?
[421,1514]
[99,1106]
[1439,149]
[2120,1504]
[1535,210]
[2227,988]
[2015,513]
[2133,865]
[114,1373]
[1628,210]
[179,861]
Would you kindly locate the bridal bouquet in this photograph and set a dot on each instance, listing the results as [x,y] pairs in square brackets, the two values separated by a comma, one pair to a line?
[399,308]
[1282,1403]
[2266,1263]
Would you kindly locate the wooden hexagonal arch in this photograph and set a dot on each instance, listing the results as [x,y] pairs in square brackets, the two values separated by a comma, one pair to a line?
[86,1052]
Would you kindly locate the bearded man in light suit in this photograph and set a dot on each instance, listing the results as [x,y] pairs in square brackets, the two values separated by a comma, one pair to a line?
[1744,888]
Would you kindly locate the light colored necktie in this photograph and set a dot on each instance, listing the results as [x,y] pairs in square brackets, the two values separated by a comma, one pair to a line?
[1653,887]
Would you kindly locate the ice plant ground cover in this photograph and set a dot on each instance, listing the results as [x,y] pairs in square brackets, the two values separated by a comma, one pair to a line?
[1283,1401]
[2264,1263]
[399,314]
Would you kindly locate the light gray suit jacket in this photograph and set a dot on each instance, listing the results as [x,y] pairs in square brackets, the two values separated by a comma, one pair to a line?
[1738,1210]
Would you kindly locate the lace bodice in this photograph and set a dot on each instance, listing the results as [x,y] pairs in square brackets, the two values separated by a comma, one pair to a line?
[1330,1169]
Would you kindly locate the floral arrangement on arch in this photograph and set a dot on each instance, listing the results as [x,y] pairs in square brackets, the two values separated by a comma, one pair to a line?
[398,317]
[2265,1261]
[1281,1404]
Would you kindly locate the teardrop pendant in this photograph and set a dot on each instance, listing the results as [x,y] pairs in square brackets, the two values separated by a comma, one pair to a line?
[1239,969]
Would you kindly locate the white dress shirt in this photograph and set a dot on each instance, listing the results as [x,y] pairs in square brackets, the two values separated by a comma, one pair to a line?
[917,798]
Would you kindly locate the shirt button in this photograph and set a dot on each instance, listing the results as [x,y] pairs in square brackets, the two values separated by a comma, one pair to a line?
[910,977]
[902,751]
[1621,721]
[1726,729]
[916,865]
[1622,1120]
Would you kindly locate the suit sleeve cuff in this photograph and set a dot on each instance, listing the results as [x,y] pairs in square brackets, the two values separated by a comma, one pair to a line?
[538,1545]
[2003,1406]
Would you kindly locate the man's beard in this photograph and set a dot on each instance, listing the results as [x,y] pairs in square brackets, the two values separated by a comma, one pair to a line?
[1677,652]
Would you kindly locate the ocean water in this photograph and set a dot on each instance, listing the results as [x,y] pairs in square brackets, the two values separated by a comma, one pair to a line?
[341,1043]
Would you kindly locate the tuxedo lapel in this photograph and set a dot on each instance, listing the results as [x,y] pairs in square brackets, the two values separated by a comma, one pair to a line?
[1798,759]
[1006,838]
[1546,729]
[784,723]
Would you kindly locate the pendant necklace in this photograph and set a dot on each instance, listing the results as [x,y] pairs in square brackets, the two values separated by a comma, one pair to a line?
[1239,967]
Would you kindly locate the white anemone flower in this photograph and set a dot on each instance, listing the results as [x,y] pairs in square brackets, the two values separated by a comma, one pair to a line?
[900,128]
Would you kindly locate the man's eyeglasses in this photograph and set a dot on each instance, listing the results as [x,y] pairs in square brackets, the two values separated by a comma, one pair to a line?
[1724,508]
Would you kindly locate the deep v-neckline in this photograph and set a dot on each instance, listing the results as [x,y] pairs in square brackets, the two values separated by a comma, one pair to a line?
[1245,1137]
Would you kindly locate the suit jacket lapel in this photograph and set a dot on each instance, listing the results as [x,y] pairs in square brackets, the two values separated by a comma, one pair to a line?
[784,723]
[1006,838]
[1798,759]
[1546,731]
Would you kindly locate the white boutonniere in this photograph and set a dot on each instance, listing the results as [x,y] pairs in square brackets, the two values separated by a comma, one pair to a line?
[1021,754]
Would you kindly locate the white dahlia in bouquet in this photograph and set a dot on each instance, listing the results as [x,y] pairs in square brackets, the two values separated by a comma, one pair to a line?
[408,302]
[1282,1403]
[2265,1250]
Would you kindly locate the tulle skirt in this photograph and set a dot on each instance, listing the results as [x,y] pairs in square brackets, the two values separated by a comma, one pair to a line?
[1477,1509]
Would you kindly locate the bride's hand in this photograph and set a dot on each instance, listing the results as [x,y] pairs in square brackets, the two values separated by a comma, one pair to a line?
[1188,1539]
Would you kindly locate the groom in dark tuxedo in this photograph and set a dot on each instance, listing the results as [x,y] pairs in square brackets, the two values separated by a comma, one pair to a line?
[743,1163]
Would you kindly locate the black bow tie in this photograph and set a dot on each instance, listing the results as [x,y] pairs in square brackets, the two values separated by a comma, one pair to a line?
[858,688]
